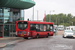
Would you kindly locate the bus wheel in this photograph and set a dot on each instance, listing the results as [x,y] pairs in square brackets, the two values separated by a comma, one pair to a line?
[47,35]
[37,36]
[25,37]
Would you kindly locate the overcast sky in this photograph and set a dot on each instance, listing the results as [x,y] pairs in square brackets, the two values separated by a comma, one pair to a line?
[60,6]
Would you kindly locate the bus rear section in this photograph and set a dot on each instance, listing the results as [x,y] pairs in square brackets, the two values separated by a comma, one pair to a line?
[22,29]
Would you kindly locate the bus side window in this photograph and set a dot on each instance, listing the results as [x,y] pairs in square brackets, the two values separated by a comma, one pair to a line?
[41,27]
[37,27]
[48,28]
[45,27]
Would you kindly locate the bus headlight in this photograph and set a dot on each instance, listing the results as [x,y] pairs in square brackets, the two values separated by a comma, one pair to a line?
[16,33]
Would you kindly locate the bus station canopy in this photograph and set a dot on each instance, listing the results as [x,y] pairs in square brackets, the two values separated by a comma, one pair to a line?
[18,4]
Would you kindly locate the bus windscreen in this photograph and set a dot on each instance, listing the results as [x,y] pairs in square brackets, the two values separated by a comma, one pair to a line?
[22,25]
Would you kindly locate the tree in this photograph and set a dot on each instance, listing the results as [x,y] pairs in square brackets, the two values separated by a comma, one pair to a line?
[58,19]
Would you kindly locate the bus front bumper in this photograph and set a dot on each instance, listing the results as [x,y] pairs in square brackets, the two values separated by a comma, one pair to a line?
[22,36]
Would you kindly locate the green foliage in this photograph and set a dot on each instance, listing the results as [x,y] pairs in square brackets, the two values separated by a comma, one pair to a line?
[61,19]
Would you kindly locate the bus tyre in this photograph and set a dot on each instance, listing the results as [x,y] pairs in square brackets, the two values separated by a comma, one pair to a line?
[47,35]
[25,37]
[37,36]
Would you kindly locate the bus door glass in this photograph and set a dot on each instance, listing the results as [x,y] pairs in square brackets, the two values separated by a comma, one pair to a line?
[51,30]
[51,27]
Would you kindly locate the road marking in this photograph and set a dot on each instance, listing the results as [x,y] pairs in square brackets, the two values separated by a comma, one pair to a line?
[62,46]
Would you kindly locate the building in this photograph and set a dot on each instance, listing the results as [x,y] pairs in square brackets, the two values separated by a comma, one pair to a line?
[10,12]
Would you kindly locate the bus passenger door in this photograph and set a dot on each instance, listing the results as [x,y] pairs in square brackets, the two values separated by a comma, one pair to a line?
[33,33]
[51,30]
[33,30]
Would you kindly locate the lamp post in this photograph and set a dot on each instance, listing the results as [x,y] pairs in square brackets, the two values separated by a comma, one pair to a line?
[23,15]
[63,22]
[72,23]
[33,13]
[50,15]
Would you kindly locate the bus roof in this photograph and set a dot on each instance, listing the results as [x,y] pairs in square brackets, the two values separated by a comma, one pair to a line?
[36,22]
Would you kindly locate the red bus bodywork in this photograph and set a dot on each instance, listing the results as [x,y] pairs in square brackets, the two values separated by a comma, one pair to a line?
[33,33]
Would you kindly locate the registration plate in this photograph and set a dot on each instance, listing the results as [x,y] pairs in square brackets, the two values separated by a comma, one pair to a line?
[22,35]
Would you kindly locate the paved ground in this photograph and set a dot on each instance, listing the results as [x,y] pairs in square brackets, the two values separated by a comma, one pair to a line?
[4,41]
[51,43]
[9,39]
[59,32]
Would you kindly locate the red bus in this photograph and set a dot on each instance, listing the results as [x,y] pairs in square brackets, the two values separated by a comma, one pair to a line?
[33,29]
